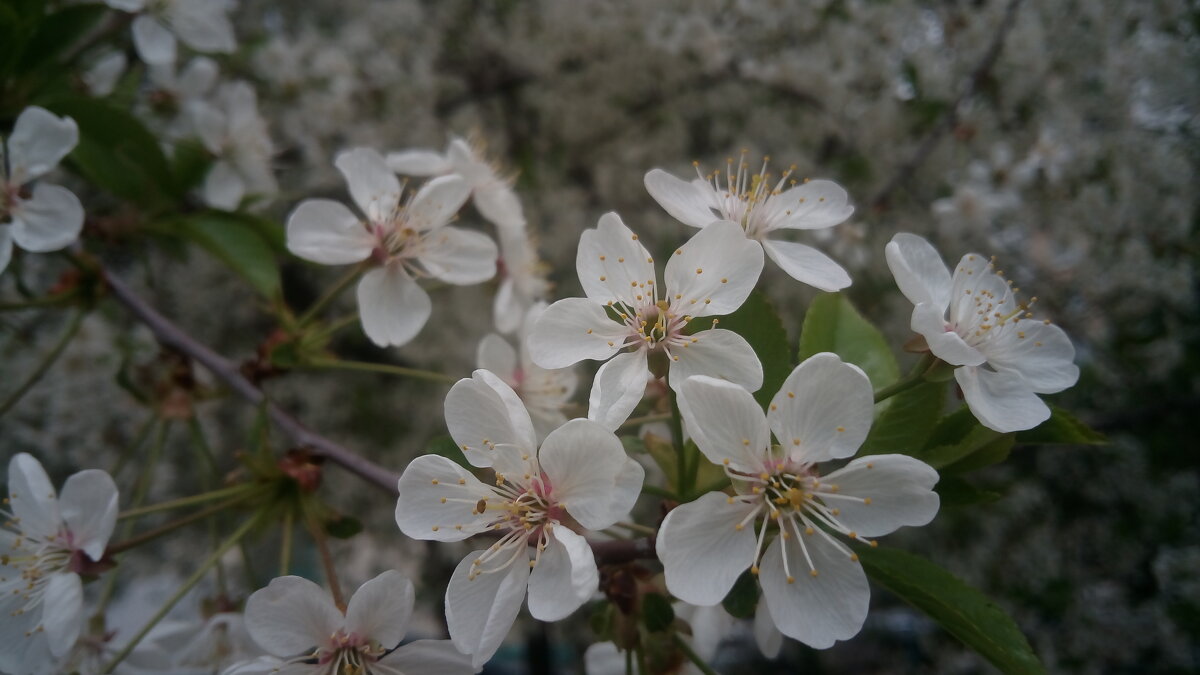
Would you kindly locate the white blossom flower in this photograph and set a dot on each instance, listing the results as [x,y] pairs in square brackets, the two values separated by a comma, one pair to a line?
[203,25]
[762,206]
[712,274]
[973,320]
[523,280]
[814,588]
[236,134]
[102,76]
[48,543]
[492,195]
[544,392]
[579,479]
[297,622]
[49,217]
[410,241]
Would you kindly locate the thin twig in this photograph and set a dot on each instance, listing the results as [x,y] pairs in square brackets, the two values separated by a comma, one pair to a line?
[950,117]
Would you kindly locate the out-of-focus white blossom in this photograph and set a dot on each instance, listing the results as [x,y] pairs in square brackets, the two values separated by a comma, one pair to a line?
[202,25]
[237,135]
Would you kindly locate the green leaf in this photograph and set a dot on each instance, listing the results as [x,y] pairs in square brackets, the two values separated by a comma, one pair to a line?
[941,456]
[758,322]
[343,527]
[992,452]
[963,611]
[907,422]
[57,33]
[189,165]
[662,451]
[239,246]
[1062,428]
[117,153]
[954,491]
[601,621]
[832,324]
[446,447]
[952,428]
[657,613]
[742,599]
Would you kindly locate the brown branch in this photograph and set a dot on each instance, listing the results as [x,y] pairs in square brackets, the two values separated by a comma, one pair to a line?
[606,552]
[950,117]
[172,336]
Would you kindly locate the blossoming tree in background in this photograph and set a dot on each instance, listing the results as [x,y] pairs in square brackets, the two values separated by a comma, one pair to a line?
[719,472]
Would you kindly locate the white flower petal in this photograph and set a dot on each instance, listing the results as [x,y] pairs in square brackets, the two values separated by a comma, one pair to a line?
[626,490]
[499,204]
[507,306]
[429,657]
[89,508]
[50,220]
[39,141]
[689,540]
[418,163]
[717,353]
[574,329]
[458,256]
[497,355]
[436,203]
[380,609]
[202,25]
[223,187]
[582,461]
[32,499]
[126,5]
[714,271]
[290,616]
[919,271]
[210,123]
[816,610]
[1001,400]
[900,489]
[62,612]
[613,265]
[392,307]
[681,199]
[1042,353]
[603,658]
[489,422]
[977,294]
[326,232]
[824,409]
[807,265]
[812,205]
[155,44]
[929,321]
[564,578]
[480,611]
[420,511]
[617,389]
[372,185]
[710,625]
[725,422]
[197,77]
[766,635]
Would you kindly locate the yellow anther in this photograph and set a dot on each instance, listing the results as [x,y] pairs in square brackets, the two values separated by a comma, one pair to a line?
[867,501]
[870,465]
[699,270]
[602,258]
[791,580]
[754,570]
[443,500]
[435,528]
[809,531]
[854,557]
[434,481]
[852,534]
[812,573]
[791,394]
[621,259]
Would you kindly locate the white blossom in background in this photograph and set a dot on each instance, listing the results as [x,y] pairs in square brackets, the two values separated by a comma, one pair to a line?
[544,392]
[814,589]
[409,241]
[102,75]
[202,25]
[973,320]
[48,217]
[711,274]
[976,201]
[523,280]
[762,206]
[182,89]
[46,544]
[580,478]
[492,194]
[234,132]
[296,621]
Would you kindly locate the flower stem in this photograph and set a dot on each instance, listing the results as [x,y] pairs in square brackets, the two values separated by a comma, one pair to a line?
[634,527]
[155,533]
[318,535]
[331,294]
[184,501]
[338,324]
[47,301]
[183,590]
[915,376]
[44,366]
[659,492]
[681,462]
[693,656]
[285,546]
[385,368]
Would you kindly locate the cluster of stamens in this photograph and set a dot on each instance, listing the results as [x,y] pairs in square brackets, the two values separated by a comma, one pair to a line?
[744,193]
[987,308]
[799,505]
[347,654]
[36,559]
